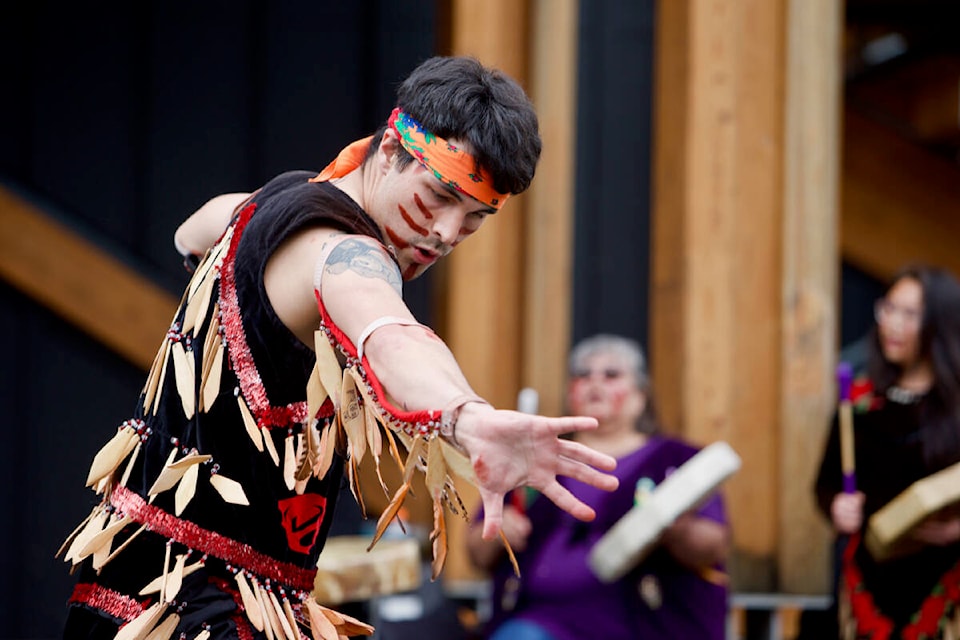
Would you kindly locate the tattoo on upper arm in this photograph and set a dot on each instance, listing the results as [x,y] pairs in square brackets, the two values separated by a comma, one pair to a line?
[366,260]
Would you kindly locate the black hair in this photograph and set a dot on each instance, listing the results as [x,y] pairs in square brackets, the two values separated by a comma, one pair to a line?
[940,345]
[459,98]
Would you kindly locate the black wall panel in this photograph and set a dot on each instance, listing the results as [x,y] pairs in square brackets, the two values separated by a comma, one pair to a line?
[612,238]
[119,120]
[63,396]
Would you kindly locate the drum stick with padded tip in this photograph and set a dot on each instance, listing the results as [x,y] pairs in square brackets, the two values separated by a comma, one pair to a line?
[847,458]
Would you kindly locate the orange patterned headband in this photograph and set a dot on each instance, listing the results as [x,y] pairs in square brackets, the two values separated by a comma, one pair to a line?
[446,161]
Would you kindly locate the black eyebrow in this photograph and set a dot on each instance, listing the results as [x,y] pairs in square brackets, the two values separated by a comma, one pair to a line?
[449,189]
[459,196]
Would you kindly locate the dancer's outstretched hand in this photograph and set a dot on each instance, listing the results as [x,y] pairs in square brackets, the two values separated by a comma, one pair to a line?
[509,449]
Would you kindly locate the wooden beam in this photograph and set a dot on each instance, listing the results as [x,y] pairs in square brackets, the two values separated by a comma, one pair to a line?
[715,295]
[809,285]
[668,268]
[922,95]
[73,278]
[481,283]
[899,202]
[482,277]
[548,232]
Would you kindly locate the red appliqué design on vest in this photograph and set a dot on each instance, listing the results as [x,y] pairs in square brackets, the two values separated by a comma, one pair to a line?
[301,518]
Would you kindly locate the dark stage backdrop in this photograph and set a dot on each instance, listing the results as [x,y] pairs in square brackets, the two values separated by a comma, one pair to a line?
[613,190]
[120,119]
[612,225]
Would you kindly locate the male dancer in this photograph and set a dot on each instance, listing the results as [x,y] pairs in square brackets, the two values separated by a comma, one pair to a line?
[291,356]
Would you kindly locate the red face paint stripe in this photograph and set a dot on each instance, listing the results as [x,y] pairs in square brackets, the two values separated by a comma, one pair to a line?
[423,208]
[396,240]
[411,270]
[410,222]
[619,399]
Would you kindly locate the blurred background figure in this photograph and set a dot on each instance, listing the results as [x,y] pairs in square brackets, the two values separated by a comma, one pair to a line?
[906,426]
[679,591]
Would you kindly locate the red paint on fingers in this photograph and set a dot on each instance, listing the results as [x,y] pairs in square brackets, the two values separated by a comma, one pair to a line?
[481,470]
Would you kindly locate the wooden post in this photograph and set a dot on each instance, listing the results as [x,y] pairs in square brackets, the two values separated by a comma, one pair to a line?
[745,260]
[481,282]
[548,243]
[810,284]
[716,267]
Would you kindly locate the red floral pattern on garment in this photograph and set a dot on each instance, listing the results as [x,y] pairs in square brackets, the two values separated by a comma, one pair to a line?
[926,624]
[862,395]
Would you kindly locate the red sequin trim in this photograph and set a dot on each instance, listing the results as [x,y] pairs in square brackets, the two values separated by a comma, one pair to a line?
[251,385]
[210,542]
[424,423]
[107,600]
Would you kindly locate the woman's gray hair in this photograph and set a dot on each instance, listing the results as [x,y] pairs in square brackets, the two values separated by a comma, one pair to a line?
[632,353]
[628,349]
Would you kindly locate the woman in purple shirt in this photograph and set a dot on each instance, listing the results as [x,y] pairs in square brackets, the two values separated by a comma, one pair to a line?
[678,591]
